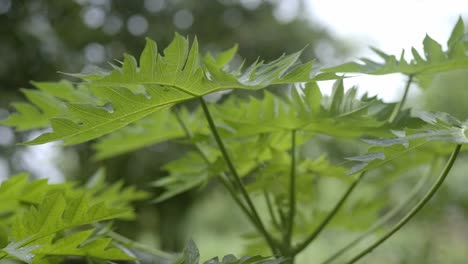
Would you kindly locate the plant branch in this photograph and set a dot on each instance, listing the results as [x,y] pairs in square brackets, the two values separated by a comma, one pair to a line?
[329,217]
[261,228]
[382,221]
[400,104]
[415,209]
[292,191]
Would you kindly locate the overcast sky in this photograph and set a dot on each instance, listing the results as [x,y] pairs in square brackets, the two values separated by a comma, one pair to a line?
[389,26]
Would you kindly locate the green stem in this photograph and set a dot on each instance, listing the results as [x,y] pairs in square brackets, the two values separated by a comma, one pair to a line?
[382,221]
[225,182]
[282,216]
[415,209]
[136,245]
[400,104]
[271,242]
[234,196]
[269,204]
[329,217]
[189,135]
[292,191]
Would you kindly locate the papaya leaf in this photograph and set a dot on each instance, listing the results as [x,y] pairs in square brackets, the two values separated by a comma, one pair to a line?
[132,91]
[194,169]
[18,191]
[273,176]
[423,68]
[191,255]
[114,195]
[23,253]
[47,102]
[438,127]
[36,228]
[41,224]
[78,244]
[55,214]
[155,128]
[185,173]
[341,114]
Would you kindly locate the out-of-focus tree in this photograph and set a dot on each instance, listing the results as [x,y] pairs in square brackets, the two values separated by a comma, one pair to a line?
[40,37]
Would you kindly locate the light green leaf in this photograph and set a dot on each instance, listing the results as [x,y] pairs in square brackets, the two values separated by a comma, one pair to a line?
[190,255]
[23,253]
[436,60]
[45,103]
[78,244]
[155,128]
[131,92]
[342,114]
[438,127]
[185,173]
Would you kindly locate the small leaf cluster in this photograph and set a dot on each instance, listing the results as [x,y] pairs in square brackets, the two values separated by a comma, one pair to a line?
[43,223]
[191,255]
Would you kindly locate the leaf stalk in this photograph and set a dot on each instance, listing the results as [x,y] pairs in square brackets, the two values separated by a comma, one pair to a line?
[292,191]
[139,246]
[225,181]
[400,104]
[415,209]
[260,226]
[382,221]
[329,217]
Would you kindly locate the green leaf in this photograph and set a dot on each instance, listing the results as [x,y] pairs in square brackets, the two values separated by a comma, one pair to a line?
[437,127]
[231,259]
[45,103]
[114,195]
[131,92]
[433,50]
[78,244]
[436,60]
[17,191]
[193,169]
[185,173]
[54,214]
[342,114]
[23,253]
[190,255]
[223,58]
[41,219]
[155,128]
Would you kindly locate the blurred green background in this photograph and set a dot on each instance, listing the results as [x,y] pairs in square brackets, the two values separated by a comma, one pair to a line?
[40,38]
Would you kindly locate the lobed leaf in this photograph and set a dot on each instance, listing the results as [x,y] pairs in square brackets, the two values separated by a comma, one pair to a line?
[155,128]
[438,127]
[42,219]
[191,255]
[135,90]
[342,114]
[423,68]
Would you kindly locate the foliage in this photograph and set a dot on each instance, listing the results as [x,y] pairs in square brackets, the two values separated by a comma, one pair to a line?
[43,223]
[256,147]
[190,255]
[436,60]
